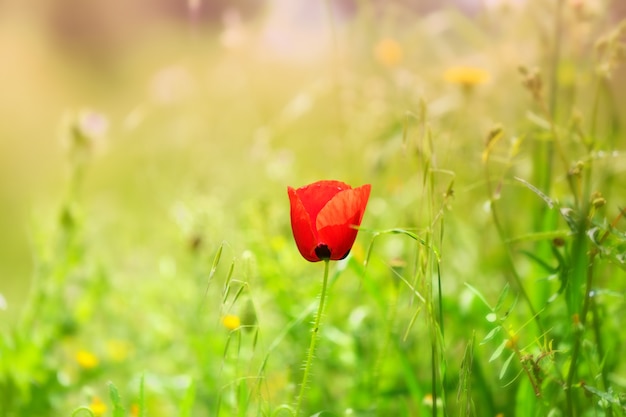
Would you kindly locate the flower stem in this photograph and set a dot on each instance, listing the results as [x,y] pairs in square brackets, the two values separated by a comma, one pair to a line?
[316,329]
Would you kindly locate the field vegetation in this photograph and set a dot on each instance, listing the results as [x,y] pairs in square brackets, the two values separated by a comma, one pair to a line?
[148,262]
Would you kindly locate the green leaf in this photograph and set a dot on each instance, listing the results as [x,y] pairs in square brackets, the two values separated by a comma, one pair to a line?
[496,354]
[492,333]
[608,397]
[479,295]
[538,192]
[398,231]
[502,297]
[543,264]
[216,261]
[571,218]
[526,402]
[539,236]
[464,392]
[118,408]
[227,286]
[505,365]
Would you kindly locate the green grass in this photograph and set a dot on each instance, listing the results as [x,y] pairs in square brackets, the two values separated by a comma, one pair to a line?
[487,278]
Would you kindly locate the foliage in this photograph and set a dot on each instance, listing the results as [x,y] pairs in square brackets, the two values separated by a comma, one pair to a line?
[488,274]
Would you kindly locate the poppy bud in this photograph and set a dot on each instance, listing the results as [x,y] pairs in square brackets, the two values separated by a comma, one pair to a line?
[324,217]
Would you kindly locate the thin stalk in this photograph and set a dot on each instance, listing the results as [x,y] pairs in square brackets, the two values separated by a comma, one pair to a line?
[600,346]
[434,361]
[517,280]
[587,304]
[316,329]
[440,300]
[595,110]
[438,328]
[550,109]
[556,54]
[556,144]
[571,373]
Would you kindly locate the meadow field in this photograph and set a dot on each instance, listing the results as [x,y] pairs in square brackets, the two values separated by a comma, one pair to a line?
[148,265]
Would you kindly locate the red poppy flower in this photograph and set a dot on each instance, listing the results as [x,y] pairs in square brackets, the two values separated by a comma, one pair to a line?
[324,216]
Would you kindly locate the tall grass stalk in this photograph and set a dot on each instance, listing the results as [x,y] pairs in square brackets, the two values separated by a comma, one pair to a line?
[588,304]
[430,264]
[493,195]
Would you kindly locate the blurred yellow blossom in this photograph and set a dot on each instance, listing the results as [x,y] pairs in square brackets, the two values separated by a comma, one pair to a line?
[511,342]
[388,52]
[466,76]
[231,322]
[429,401]
[97,406]
[86,359]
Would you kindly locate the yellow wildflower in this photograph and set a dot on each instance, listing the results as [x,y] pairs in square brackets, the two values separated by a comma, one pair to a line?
[231,322]
[428,401]
[466,76]
[388,52]
[134,409]
[511,343]
[86,359]
[97,407]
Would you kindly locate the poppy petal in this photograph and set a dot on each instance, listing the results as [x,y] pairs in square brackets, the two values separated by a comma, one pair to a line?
[336,221]
[315,196]
[341,209]
[339,239]
[303,232]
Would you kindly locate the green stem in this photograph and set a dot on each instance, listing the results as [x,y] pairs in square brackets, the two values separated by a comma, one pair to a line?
[551,108]
[434,361]
[571,374]
[316,329]
[440,299]
[556,54]
[581,265]
[600,346]
[438,330]
[516,280]
[587,304]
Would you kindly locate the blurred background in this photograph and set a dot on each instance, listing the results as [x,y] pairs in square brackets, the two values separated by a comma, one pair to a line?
[140,138]
[186,89]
